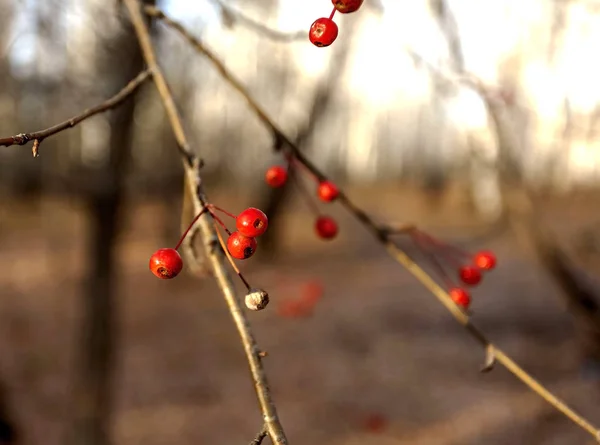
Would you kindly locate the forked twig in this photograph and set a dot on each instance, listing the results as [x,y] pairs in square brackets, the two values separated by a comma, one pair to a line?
[493,353]
[192,166]
[38,136]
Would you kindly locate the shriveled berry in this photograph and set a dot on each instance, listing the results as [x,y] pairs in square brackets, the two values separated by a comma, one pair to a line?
[347,6]
[166,263]
[326,227]
[485,260]
[257,299]
[276,176]
[327,191]
[252,222]
[469,275]
[460,296]
[323,32]
[240,246]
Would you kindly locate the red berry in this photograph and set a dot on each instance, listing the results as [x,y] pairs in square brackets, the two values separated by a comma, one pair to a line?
[375,423]
[485,260]
[240,246]
[276,176]
[323,32]
[326,227]
[460,296]
[166,263]
[327,191]
[469,275]
[347,6]
[252,222]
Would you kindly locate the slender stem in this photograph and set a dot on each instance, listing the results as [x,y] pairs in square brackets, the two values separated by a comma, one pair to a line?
[209,235]
[221,223]
[212,206]
[190,227]
[332,13]
[432,258]
[231,261]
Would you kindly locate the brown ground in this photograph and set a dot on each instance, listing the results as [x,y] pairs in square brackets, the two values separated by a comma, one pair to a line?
[378,343]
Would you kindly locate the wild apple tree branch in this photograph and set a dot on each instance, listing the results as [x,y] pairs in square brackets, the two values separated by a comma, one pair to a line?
[39,136]
[383,235]
[217,259]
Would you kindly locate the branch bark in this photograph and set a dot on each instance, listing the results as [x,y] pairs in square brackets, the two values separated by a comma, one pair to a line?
[214,253]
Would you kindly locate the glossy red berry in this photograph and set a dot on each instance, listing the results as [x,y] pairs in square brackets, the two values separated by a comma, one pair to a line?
[485,260]
[323,32]
[326,227]
[347,6]
[327,191]
[276,176]
[166,263]
[469,275]
[252,222]
[460,296]
[240,246]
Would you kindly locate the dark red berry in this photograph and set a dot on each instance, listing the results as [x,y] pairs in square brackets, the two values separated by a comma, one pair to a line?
[252,222]
[240,246]
[469,275]
[323,32]
[166,263]
[485,260]
[347,6]
[276,176]
[326,227]
[327,191]
[460,296]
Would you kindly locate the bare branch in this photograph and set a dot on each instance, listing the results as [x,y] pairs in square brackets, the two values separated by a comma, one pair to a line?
[382,234]
[259,437]
[215,255]
[39,136]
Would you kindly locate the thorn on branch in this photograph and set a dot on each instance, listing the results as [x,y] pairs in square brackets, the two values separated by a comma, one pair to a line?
[490,359]
[263,354]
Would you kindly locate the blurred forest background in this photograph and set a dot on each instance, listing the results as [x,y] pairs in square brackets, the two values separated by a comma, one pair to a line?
[476,120]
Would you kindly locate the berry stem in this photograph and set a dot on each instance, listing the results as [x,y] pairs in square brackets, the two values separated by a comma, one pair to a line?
[297,165]
[212,206]
[418,241]
[228,255]
[332,13]
[220,221]
[204,209]
[451,252]
[304,193]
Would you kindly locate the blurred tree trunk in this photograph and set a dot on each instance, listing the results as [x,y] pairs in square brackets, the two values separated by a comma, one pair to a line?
[103,194]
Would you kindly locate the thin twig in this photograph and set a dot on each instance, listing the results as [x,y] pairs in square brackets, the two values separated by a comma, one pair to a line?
[39,136]
[259,437]
[217,259]
[381,234]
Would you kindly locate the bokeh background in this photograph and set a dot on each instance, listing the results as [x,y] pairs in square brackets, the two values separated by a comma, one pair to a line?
[476,120]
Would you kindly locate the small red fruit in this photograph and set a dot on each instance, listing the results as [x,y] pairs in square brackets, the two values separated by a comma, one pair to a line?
[276,176]
[252,222]
[460,296]
[347,6]
[469,275]
[375,423]
[323,32]
[166,263]
[326,227]
[485,260]
[240,246]
[327,191]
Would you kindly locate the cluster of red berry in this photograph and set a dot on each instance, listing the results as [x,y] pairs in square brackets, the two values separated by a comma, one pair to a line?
[325,226]
[324,31]
[166,263]
[442,254]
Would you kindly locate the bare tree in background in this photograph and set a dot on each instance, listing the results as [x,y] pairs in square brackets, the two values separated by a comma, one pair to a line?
[104,195]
